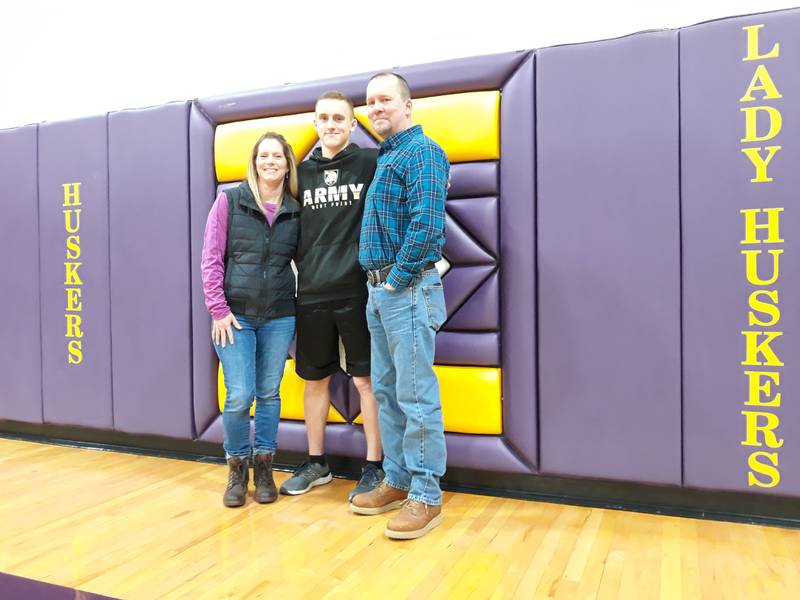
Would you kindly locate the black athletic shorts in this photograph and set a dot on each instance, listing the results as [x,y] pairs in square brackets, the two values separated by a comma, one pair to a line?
[319,327]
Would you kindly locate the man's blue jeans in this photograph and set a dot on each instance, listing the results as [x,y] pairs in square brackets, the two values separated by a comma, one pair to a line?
[403,325]
[253,368]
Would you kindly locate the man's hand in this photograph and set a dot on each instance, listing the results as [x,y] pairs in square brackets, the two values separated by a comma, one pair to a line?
[222,330]
[386,286]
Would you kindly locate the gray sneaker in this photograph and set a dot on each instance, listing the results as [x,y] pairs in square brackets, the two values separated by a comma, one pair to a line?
[371,476]
[306,476]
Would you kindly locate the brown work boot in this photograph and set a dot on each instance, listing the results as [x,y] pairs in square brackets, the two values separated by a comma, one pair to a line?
[238,476]
[266,491]
[380,500]
[414,520]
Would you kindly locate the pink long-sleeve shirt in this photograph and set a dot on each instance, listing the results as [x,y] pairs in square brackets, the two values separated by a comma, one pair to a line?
[212,261]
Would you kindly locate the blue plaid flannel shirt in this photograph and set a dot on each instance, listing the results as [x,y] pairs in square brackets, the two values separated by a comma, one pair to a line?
[403,220]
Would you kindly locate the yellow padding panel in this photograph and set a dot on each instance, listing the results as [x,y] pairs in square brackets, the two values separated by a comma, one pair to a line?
[292,388]
[233,142]
[466,126]
[472,400]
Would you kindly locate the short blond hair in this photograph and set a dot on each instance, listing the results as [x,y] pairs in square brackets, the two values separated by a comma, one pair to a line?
[336,95]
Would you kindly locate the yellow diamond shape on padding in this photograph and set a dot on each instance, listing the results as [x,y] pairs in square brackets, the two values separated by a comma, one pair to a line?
[466,126]
[233,142]
[292,387]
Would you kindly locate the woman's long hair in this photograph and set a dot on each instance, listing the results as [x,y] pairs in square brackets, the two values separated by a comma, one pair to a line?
[291,175]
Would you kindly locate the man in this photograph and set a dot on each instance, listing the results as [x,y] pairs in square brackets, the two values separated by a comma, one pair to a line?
[402,236]
[332,294]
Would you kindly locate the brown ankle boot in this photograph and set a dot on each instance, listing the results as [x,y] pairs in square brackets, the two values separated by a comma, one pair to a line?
[266,491]
[380,500]
[414,520]
[238,476]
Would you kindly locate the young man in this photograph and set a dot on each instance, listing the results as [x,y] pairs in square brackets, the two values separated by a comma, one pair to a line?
[332,294]
[402,237]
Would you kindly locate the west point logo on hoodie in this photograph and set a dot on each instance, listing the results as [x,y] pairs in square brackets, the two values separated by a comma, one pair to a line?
[331,176]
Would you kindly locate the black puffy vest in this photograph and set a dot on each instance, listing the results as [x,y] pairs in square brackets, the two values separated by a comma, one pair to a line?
[259,281]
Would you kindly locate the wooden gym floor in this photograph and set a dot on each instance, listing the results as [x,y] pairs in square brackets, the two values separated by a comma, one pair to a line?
[132,526]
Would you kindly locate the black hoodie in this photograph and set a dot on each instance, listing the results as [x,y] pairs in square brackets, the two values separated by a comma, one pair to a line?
[332,192]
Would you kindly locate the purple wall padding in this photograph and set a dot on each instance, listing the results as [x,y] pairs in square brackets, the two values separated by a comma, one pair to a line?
[340,396]
[460,246]
[151,316]
[202,194]
[477,349]
[473,179]
[432,79]
[485,452]
[517,267]
[461,282]
[471,286]
[480,217]
[490,452]
[716,186]
[76,386]
[481,311]
[608,259]
[20,356]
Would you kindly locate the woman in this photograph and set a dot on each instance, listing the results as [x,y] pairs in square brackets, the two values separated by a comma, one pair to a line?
[250,239]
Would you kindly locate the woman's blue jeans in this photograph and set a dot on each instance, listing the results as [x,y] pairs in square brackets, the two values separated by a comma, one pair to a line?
[253,368]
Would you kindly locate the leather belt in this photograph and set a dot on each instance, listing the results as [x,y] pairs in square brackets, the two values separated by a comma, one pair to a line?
[376,276]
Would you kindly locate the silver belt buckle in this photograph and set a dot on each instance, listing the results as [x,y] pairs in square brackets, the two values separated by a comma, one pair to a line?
[373,276]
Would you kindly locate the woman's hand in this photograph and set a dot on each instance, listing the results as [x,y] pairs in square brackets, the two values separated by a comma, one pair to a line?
[222,329]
